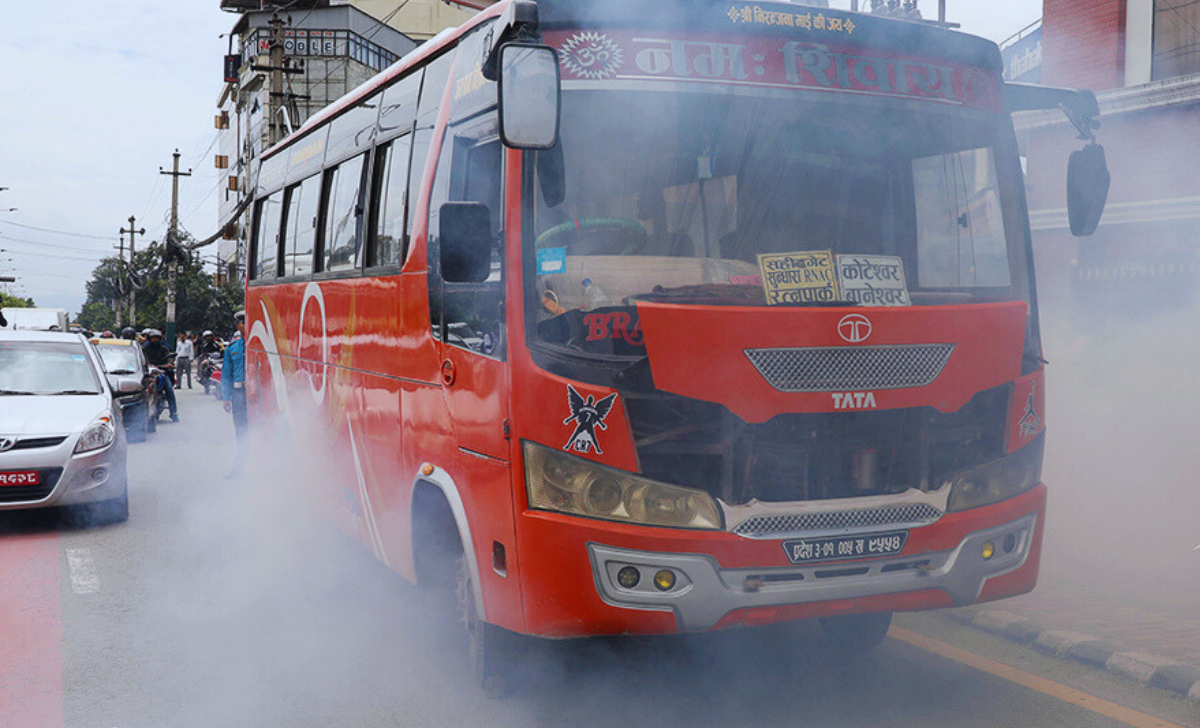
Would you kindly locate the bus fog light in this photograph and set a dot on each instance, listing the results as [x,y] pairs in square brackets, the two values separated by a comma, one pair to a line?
[988,550]
[629,577]
[1010,543]
[665,580]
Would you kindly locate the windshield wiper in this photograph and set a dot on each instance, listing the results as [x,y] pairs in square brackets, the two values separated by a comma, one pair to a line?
[72,391]
[122,371]
[14,392]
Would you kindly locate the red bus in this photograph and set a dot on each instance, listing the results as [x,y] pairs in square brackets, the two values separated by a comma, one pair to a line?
[643,318]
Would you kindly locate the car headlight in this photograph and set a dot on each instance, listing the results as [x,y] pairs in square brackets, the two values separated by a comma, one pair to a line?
[98,434]
[569,484]
[998,480]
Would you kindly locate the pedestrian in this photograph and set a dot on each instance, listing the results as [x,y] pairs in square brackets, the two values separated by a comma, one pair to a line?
[185,351]
[233,392]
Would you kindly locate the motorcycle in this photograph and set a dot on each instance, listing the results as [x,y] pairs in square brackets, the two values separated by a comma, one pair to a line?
[162,381]
[210,367]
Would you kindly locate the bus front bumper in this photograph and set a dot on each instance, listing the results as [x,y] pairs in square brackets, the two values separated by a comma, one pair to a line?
[703,593]
[569,572]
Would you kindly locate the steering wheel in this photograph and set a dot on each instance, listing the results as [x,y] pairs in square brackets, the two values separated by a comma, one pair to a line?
[607,229]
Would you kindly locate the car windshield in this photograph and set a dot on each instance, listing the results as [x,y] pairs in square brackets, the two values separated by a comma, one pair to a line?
[28,367]
[696,197]
[118,359]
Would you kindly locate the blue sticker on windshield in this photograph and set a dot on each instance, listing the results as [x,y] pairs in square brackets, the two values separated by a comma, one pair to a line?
[77,356]
[551,260]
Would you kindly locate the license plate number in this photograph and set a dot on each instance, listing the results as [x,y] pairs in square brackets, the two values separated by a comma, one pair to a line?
[20,477]
[808,550]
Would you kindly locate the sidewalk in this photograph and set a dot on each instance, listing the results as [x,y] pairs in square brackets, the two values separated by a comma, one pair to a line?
[1157,644]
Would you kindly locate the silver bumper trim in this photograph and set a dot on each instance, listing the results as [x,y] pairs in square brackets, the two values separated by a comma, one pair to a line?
[704,592]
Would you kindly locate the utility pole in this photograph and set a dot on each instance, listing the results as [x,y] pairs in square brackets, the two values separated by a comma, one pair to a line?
[132,283]
[173,250]
[277,98]
[118,304]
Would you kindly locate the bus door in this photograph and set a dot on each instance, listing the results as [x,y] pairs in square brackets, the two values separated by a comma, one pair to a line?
[467,318]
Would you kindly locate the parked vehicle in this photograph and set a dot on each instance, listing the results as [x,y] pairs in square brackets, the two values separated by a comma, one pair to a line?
[36,319]
[124,359]
[61,442]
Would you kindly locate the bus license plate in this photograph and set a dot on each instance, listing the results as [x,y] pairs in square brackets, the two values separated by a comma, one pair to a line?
[845,547]
[20,477]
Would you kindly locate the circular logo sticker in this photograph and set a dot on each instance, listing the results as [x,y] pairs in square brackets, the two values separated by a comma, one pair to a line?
[591,55]
[854,328]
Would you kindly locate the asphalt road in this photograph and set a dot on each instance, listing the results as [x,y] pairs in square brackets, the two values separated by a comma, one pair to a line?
[222,603]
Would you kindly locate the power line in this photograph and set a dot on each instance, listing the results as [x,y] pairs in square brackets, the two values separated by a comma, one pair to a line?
[57,232]
[9,238]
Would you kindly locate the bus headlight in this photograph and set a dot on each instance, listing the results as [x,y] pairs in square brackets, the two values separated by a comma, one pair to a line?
[560,482]
[998,480]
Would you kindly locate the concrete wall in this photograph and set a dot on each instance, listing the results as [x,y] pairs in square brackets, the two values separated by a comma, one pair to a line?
[418,19]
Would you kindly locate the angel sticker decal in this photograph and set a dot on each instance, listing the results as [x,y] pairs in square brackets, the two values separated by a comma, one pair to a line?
[588,414]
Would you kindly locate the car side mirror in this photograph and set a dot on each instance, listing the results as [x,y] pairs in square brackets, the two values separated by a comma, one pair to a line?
[465,241]
[126,385]
[1088,181]
[529,90]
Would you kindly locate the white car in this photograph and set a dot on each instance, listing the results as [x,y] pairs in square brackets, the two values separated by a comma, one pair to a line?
[61,437]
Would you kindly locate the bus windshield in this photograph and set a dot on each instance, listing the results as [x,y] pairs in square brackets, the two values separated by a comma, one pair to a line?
[674,195]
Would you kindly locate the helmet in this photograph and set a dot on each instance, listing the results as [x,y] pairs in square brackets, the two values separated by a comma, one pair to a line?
[207,333]
[106,335]
[151,333]
[128,333]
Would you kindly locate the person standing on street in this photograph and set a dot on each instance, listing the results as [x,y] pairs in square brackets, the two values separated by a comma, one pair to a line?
[233,391]
[184,353]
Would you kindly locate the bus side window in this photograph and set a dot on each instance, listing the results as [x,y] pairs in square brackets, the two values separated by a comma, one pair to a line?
[390,195]
[343,214]
[300,226]
[266,237]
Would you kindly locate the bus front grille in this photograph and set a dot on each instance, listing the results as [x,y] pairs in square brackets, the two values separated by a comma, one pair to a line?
[849,368]
[912,515]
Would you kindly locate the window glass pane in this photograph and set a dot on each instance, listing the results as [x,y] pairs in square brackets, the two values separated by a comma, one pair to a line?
[1176,38]
[354,130]
[393,181]
[342,215]
[301,226]
[960,226]
[420,155]
[270,212]
[399,106]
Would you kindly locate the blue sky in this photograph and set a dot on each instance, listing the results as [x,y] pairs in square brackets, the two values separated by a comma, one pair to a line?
[97,95]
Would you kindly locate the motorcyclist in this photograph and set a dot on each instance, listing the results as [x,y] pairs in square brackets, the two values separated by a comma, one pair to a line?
[129,334]
[159,354]
[210,345]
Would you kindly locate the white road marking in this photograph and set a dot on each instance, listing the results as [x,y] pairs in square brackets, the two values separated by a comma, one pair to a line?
[84,579]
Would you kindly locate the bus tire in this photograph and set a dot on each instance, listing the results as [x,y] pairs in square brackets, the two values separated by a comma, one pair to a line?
[856,634]
[495,653]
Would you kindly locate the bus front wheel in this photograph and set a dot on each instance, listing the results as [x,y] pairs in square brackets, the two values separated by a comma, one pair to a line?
[495,653]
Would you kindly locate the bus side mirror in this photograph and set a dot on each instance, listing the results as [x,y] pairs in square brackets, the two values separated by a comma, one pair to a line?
[1087,189]
[529,90]
[465,240]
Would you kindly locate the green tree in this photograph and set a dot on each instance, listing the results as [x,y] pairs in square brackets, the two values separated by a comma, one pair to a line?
[199,303]
[7,301]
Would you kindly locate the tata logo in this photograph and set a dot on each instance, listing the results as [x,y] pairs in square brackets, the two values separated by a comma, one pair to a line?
[854,328]
[854,400]
[7,443]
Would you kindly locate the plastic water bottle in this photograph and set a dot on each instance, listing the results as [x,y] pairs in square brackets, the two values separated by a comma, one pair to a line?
[594,296]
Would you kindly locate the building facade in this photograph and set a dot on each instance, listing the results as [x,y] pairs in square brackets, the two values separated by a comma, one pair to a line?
[329,47]
[1142,58]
